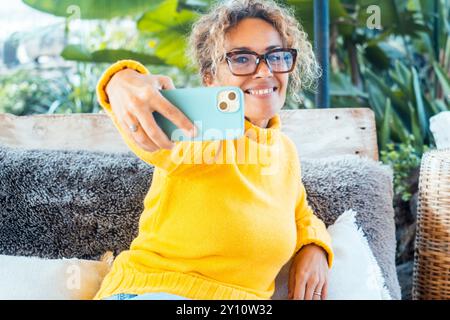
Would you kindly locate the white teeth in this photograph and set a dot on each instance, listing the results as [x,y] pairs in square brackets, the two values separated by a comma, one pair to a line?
[262,91]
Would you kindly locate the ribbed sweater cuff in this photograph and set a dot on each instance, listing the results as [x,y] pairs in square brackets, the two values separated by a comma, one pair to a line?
[310,235]
[182,284]
[102,97]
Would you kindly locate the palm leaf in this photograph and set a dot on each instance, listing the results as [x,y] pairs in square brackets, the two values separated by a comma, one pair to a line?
[88,9]
[79,53]
[170,26]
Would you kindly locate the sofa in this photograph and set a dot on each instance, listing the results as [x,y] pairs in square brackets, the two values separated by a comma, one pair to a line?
[61,178]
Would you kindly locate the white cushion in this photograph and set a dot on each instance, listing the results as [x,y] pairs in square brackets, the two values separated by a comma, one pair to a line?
[32,278]
[355,274]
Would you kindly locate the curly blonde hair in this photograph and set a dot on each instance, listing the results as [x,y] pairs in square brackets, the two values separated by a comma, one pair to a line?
[207,50]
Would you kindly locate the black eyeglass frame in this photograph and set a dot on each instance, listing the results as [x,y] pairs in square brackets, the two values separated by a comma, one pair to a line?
[259,58]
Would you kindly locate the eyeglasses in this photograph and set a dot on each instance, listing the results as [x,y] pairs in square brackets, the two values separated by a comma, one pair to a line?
[245,62]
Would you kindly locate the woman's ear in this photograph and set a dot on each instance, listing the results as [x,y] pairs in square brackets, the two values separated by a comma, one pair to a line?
[207,79]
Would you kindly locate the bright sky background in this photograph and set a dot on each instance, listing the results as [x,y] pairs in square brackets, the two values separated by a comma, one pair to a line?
[16,16]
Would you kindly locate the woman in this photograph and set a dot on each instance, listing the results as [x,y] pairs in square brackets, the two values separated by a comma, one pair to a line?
[221,230]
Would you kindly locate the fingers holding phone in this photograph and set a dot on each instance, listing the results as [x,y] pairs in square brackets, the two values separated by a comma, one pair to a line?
[134,97]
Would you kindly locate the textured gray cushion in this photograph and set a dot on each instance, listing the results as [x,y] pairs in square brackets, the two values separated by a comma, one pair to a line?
[56,204]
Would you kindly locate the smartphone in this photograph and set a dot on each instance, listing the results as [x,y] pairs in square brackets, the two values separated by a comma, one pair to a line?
[217,112]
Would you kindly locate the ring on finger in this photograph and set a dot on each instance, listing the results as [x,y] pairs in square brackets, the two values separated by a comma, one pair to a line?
[133,127]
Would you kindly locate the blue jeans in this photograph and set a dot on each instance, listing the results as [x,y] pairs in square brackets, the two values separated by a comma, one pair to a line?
[146,296]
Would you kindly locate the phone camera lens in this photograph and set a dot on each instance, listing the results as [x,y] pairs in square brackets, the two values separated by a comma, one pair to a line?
[232,96]
[223,106]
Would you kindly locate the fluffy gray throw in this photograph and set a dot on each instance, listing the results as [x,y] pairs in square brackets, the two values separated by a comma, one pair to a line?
[56,204]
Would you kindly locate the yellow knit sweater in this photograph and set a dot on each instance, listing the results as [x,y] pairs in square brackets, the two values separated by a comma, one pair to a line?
[217,229]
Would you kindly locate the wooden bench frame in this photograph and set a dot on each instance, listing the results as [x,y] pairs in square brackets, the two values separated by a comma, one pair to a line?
[316,132]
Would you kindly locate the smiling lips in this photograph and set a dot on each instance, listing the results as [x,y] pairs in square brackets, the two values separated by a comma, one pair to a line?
[261,92]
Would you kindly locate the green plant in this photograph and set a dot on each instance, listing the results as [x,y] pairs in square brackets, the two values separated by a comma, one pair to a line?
[403,158]
[104,14]
[401,71]
[28,91]
[77,94]
[25,92]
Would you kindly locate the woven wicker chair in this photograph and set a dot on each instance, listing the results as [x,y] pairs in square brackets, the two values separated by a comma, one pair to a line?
[431,276]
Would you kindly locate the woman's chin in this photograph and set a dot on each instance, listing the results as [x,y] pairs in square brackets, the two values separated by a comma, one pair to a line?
[261,111]
[261,115]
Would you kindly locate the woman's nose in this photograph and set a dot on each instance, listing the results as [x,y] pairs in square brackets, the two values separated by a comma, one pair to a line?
[263,70]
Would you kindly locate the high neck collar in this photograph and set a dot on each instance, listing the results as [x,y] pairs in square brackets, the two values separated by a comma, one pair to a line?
[264,135]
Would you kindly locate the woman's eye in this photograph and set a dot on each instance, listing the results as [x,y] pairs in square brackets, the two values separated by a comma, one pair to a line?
[241,59]
[274,58]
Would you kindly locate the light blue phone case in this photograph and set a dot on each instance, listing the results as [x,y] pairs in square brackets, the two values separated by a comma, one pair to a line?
[205,107]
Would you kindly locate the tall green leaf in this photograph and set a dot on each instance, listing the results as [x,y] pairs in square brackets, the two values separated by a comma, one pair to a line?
[79,53]
[397,97]
[415,128]
[398,128]
[443,79]
[421,114]
[385,131]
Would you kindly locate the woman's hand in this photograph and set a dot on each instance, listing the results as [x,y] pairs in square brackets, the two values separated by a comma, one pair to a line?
[133,97]
[309,274]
